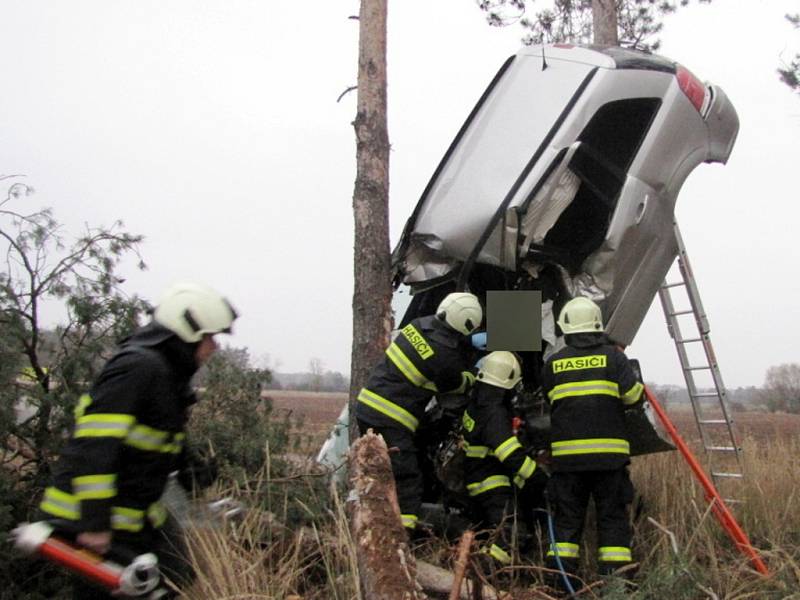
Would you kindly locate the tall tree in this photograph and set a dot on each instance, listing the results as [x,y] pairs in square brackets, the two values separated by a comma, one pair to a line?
[790,73]
[43,371]
[782,388]
[372,318]
[585,21]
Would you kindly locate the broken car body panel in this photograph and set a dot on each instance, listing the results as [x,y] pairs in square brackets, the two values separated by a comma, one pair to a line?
[574,157]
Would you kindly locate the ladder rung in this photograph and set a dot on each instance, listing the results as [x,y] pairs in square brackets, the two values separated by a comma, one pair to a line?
[696,368]
[672,285]
[721,449]
[730,475]
[713,422]
[681,312]
[689,341]
[706,395]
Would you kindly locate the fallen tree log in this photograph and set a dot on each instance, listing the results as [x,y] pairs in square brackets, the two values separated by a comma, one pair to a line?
[436,580]
[387,570]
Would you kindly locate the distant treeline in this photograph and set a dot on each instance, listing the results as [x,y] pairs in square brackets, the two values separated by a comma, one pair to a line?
[329,381]
[741,398]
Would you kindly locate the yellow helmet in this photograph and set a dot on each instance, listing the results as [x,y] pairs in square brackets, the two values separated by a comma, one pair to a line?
[500,369]
[190,310]
[580,315]
[462,311]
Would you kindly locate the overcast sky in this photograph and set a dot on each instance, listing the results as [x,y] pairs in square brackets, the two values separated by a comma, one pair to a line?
[212,128]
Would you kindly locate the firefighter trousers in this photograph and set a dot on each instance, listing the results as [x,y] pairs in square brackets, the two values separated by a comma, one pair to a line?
[569,494]
[408,478]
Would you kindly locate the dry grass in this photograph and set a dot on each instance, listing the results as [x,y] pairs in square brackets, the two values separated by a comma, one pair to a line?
[683,552]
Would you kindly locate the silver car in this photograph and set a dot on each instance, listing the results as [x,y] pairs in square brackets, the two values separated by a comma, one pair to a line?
[564,178]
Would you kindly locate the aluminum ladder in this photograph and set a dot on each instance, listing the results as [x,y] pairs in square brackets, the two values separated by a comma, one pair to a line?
[698,361]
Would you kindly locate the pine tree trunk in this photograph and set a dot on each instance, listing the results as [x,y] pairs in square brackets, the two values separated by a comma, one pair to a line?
[372,319]
[604,22]
[386,566]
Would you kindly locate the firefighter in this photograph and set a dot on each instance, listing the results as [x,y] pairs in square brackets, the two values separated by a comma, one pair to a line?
[496,463]
[129,432]
[431,355]
[589,384]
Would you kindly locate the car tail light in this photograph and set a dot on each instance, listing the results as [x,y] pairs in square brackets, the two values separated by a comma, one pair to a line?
[693,88]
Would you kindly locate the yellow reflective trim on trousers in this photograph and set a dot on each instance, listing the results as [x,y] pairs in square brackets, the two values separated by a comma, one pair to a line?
[490,483]
[504,450]
[390,409]
[525,471]
[632,395]
[477,451]
[104,425]
[95,487]
[60,504]
[614,554]
[591,446]
[583,388]
[407,368]
[83,403]
[409,521]
[500,555]
[564,550]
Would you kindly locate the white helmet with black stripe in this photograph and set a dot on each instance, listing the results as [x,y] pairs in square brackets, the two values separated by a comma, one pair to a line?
[462,311]
[191,310]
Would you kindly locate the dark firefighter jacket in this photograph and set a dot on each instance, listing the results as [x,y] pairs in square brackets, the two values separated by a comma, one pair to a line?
[495,457]
[589,384]
[426,357]
[128,436]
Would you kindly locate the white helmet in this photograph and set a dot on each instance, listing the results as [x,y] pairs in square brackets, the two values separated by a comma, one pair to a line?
[500,369]
[461,311]
[580,315]
[190,310]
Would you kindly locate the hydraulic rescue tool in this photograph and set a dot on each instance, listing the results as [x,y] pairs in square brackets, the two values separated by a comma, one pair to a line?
[140,578]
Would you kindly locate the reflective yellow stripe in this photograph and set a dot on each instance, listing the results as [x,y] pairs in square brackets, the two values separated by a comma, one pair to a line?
[407,368]
[467,380]
[127,519]
[504,450]
[490,483]
[157,514]
[390,409]
[614,554]
[633,394]
[577,363]
[149,439]
[499,554]
[103,425]
[94,487]
[591,446]
[525,471]
[83,403]
[175,446]
[467,421]
[584,388]
[409,521]
[146,438]
[60,504]
[477,451]
[564,549]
